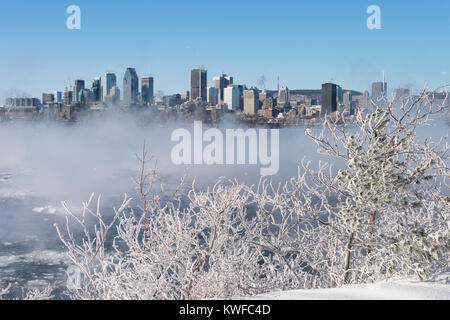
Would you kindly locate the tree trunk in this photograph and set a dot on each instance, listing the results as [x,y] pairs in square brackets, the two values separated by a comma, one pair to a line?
[348,257]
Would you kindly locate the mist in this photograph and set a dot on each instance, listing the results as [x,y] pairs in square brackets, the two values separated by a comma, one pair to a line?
[44,163]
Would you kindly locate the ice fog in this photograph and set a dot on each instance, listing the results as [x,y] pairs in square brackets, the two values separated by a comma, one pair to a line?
[42,164]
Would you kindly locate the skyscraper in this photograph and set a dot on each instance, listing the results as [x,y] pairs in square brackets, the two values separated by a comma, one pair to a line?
[97,89]
[329,98]
[213,95]
[364,100]
[347,101]
[68,97]
[251,101]
[379,90]
[48,98]
[147,89]
[232,97]
[198,84]
[283,96]
[401,93]
[221,82]
[113,98]
[130,86]
[58,96]
[77,88]
[109,81]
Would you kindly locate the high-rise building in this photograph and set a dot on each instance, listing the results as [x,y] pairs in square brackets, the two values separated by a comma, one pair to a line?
[109,81]
[113,98]
[283,96]
[58,96]
[68,97]
[379,90]
[213,95]
[251,101]
[339,94]
[221,82]
[329,98]
[401,93]
[97,89]
[198,84]
[263,95]
[232,97]
[23,102]
[77,88]
[48,98]
[347,101]
[130,87]
[147,89]
[185,95]
[364,100]
[85,96]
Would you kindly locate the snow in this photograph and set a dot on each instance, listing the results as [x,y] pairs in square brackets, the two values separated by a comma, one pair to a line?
[401,289]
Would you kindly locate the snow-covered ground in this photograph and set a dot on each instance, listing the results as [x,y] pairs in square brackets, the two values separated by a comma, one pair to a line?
[437,288]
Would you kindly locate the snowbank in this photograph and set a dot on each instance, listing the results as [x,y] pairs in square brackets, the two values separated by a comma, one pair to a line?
[437,288]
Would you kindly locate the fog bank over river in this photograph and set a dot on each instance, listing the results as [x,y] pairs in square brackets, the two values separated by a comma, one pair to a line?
[42,164]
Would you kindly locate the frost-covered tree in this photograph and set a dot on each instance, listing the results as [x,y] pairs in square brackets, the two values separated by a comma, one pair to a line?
[391,215]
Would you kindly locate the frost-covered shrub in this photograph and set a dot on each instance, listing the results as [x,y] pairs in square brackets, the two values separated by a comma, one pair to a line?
[385,214]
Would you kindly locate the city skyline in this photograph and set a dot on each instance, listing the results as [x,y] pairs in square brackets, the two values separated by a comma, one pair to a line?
[323,42]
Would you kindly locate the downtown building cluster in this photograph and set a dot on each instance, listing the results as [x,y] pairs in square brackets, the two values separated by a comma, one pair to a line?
[222,96]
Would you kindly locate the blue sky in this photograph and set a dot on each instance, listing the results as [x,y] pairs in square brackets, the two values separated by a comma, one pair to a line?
[305,43]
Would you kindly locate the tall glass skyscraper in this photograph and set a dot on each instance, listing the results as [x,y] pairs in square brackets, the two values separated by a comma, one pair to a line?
[77,88]
[198,84]
[109,81]
[329,98]
[221,82]
[96,89]
[130,87]
[147,89]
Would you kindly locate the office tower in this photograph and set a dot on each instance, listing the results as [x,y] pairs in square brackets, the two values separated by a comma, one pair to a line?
[329,98]
[379,90]
[85,96]
[232,97]
[48,98]
[251,101]
[264,95]
[173,100]
[22,102]
[68,97]
[339,94]
[97,89]
[364,100]
[58,96]
[221,82]
[213,95]
[185,95]
[109,81]
[347,101]
[130,87]
[401,93]
[113,98]
[147,89]
[283,96]
[77,88]
[198,84]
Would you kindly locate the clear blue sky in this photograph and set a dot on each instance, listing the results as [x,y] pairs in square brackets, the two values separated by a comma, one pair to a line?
[305,43]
